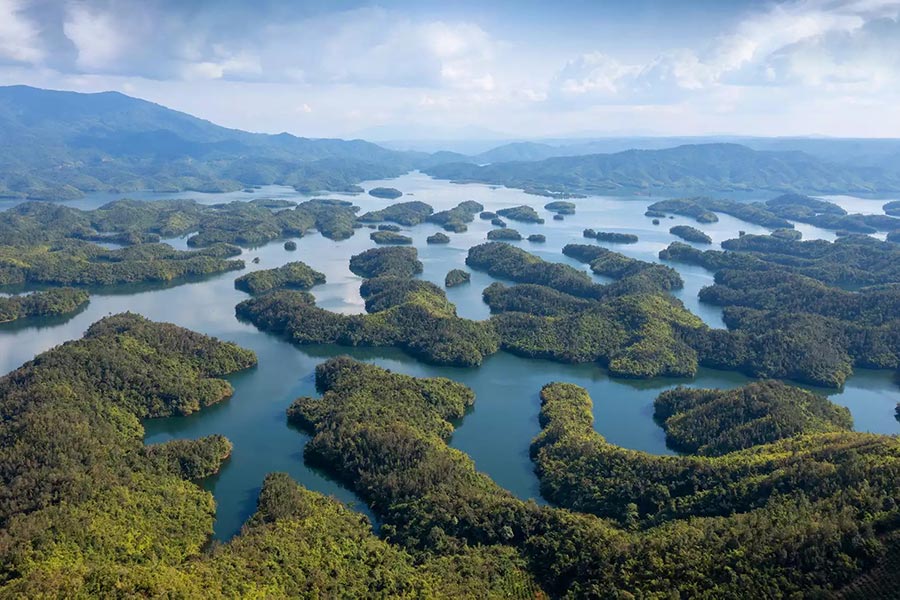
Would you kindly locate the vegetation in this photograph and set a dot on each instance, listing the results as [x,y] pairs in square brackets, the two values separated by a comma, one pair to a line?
[389,237]
[76,263]
[612,237]
[290,245]
[690,234]
[438,238]
[385,192]
[293,275]
[456,277]
[487,215]
[410,314]
[561,207]
[498,222]
[404,213]
[632,275]
[386,262]
[455,219]
[504,234]
[389,227]
[521,213]
[42,304]
[715,422]
[537,238]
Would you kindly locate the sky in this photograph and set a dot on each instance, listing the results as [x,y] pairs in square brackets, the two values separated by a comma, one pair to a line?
[521,69]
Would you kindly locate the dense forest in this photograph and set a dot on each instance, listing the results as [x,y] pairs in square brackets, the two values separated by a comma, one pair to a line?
[294,275]
[49,303]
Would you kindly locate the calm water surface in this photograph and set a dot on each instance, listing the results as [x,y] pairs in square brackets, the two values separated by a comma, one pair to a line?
[498,430]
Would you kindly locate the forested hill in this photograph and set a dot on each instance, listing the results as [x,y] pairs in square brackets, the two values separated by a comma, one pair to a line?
[717,167]
[56,145]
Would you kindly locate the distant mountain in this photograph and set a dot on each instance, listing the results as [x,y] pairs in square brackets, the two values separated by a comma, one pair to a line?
[860,152]
[687,168]
[57,145]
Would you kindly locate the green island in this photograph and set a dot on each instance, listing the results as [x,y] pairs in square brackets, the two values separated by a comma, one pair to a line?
[404,213]
[389,227]
[794,526]
[388,261]
[290,245]
[456,277]
[410,314]
[504,233]
[537,238]
[438,238]
[487,215]
[294,275]
[498,222]
[690,234]
[385,192]
[54,302]
[789,311]
[561,207]
[611,236]
[523,213]
[390,237]
[456,218]
[77,263]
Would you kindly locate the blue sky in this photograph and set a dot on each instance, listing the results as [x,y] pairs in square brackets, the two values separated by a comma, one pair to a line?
[521,69]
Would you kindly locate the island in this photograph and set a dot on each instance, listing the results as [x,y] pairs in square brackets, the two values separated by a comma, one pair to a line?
[437,238]
[293,275]
[385,192]
[690,234]
[456,277]
[49,303]
[389,237]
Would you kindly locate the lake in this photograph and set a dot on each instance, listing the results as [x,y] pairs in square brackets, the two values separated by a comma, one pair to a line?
[498,430]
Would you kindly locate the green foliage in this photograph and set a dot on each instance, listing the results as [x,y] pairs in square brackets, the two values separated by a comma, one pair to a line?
[703,209]
[456,277]
[537,238]
[455,219]
[611,236]
[294,275]
[632,275]
[386,262]
[561,207]
[85,264]
[390,237]
[515,264]
[522,213]
[504,234]
[290,245]
[690,234]
[404,213]
[438,238]
[715,422]
[385,192]
[42,304]
[634,336]
[412,315]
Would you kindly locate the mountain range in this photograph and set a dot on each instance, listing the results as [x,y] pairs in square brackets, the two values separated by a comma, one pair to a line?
[58,145]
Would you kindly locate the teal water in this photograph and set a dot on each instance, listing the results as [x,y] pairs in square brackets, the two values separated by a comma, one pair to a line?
[498,430]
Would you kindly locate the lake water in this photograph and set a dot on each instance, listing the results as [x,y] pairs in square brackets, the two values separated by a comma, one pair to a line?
[498,430]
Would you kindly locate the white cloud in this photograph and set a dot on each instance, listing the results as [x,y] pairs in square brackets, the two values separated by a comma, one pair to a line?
[811,43]
[19,37]
[97,37]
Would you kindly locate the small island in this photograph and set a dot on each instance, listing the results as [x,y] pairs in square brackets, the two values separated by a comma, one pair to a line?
[504,233]
[690,234]
[393,261]
[293,275]
[385,192]
[456,277]
[611,237]
[290,245]
[537,238]
[561,207]
[487,215]
[522,213]
[50,303]
[390,237]
[438,238]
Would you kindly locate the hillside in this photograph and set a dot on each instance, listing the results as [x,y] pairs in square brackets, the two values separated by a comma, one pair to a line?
[718,167]
[56,145]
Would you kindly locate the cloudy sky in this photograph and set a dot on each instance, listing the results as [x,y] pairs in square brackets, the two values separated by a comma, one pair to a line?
[518,68]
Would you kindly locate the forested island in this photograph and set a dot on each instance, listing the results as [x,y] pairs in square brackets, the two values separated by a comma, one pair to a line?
[293,275]
[48,303]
